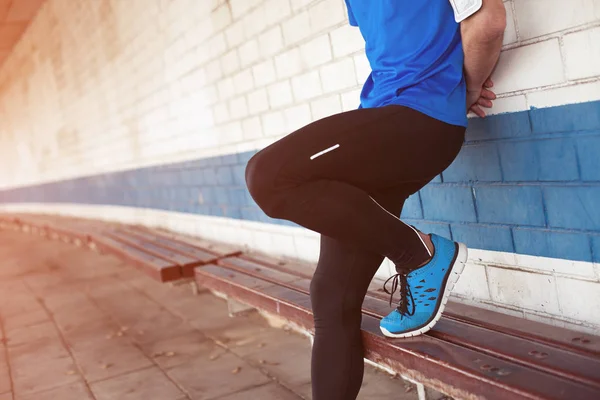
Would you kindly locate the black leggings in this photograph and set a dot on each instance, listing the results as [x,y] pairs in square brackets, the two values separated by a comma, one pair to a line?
[347,177]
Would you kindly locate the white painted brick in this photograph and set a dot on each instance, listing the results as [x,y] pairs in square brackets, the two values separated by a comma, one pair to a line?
[307,86]
[508,105]
[295,29]
[362,67]
[280,94]
[214,71]
[582,53]
[249,52]
[298,4]
[491,257]
[258,101]
[234,34]
[240,8]
[215,46]
[284,245]
[307,247]
[540,17]
[273,123]
[473,283]
[528,67]
[351,99]
[579,299]
[346,40]
[567,267]
[264,73]
[243,81]
[276,10]
[230,133]
[252,128]
[316,52]
[565,95]
[289,63]
[230,62]
[226,88]
[238,107]
[510,34]
[325,107]
[271,42]
[523,289]
[254,23]
[221,113]
[325,14]
[338,76]
[297,117]
[221,18]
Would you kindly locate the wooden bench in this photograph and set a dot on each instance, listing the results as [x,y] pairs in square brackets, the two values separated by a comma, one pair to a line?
[470,354]
[163,256]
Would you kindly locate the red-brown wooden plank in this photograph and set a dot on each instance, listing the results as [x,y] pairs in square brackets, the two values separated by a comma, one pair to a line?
[158,268]
[183,261]
[445,366]
[221,249]
[566,339]
[202,256]
[558,361]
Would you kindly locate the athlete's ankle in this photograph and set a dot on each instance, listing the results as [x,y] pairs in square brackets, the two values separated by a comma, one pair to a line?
[428,245]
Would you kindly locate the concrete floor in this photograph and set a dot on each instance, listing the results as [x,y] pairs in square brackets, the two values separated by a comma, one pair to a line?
[76,325]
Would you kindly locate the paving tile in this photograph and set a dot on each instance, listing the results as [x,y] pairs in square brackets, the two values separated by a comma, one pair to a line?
[92,334]
[44,330]
[6,396]
[180,349]
[108,360]
[43,373]
[4,379]
[270,391]
[203,378]
[26,319]
[146,384]
[27,353]
[380,385]
[75,391]
[252,335]
[72,299]
[157,327]
[290,364]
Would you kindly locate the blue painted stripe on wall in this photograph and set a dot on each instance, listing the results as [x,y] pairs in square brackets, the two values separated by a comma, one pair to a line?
[526,182]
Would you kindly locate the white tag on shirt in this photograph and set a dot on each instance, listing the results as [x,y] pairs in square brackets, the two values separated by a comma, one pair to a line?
[463,9]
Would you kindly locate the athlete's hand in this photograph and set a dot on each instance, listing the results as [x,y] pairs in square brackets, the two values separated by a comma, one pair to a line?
[476,99]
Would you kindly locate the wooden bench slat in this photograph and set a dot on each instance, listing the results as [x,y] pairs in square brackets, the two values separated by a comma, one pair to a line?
[220,249]
[534,331]
[540,332]
[183,261]
[203,256]
[422,357]
[158,268]
[536,355]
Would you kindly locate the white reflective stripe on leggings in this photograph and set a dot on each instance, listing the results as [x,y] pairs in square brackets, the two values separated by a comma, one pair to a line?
[319,154]
[410,226]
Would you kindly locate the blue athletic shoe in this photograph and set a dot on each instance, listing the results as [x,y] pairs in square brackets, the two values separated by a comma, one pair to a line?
[425,291]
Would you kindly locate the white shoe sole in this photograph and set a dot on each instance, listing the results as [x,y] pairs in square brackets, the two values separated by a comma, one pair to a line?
[456,270]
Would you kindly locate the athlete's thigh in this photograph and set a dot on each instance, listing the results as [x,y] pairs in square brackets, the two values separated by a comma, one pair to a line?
[372,149]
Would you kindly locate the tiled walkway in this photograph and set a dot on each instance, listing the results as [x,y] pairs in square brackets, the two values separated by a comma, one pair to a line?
[76,325]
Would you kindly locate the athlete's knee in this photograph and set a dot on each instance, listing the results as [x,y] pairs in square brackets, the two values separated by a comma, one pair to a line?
[260,179]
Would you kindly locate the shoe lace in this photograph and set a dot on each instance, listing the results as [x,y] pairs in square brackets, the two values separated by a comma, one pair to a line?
[401,280]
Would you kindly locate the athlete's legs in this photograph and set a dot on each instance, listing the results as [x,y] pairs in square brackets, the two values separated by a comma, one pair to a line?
[323,175]
[337,291]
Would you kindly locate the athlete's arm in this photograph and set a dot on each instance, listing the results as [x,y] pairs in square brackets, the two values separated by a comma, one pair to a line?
[482,35]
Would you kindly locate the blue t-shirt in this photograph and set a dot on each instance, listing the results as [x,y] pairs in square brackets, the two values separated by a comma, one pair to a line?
[416,56]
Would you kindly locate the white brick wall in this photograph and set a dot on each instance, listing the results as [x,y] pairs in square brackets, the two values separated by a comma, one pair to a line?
[156,81]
